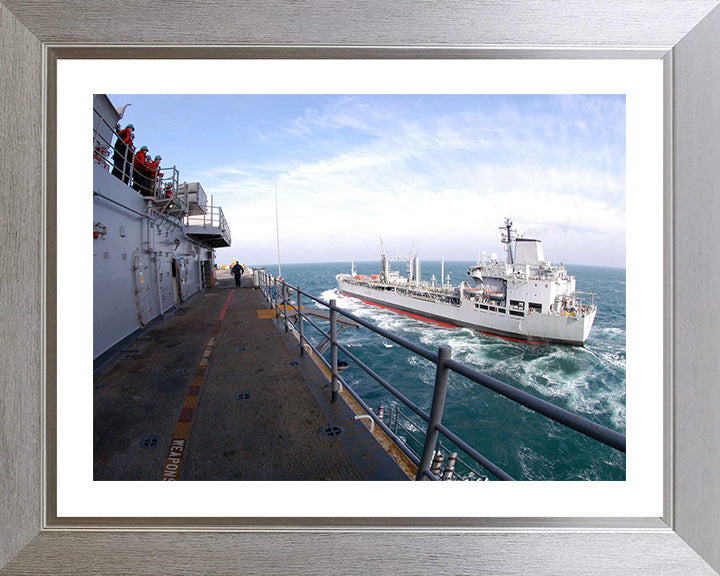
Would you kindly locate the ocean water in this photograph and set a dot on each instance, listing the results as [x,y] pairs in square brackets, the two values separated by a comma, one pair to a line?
[589,380]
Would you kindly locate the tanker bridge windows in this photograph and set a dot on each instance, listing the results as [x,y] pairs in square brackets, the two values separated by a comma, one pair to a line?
[534,307]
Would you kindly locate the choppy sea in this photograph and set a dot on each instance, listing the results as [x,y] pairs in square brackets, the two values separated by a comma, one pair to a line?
[588,380]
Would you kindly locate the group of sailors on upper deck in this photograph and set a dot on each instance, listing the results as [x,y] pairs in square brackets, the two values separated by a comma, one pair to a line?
[146,175]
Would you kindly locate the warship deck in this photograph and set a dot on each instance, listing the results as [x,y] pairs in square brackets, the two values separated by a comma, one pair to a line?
[218,391]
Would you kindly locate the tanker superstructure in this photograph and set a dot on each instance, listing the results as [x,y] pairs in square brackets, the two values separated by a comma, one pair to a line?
[524,297]
[153,243]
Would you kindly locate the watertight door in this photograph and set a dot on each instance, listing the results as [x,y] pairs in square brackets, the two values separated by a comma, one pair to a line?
[141,281]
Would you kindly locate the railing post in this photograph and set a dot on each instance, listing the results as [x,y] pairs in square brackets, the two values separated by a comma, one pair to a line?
[450,466]
[285,304]
[333,351]
[436,411]
[300,321]
[275,297]
[131,169]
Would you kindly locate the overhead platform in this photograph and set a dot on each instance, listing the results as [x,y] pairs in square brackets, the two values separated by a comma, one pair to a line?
[210,228]
[206,235]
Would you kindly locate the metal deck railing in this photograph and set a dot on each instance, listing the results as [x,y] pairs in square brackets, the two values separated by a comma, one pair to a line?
[213,217]
[280,294]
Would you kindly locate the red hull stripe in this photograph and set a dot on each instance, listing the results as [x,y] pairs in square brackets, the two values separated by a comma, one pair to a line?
[514,339]
[443,324]
[416,316]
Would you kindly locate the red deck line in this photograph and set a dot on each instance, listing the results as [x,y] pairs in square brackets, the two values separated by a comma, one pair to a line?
[176,452]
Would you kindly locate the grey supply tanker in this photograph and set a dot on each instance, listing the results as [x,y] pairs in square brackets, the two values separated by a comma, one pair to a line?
[525,297]
[153,238]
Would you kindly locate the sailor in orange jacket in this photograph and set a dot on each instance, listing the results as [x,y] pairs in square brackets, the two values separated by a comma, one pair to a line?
[122,153]
[140,172]
[155,174]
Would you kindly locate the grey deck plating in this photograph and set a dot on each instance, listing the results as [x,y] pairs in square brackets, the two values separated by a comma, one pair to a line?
[258,416]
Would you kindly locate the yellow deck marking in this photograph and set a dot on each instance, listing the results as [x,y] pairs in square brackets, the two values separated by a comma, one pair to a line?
[178,444]
[190,401]
[266,314]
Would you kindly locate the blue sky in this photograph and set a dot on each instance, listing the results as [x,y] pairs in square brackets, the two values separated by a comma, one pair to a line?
[438,170]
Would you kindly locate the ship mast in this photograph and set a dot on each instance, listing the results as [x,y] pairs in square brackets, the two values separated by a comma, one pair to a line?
[384,262]
[507,237]
[277,230]
[412,266]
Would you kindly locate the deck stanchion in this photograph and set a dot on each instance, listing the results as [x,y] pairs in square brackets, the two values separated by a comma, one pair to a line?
[333,351]
[300,322]
[285,304]
[450,466]
[275,296]
[437,463]
[436,410]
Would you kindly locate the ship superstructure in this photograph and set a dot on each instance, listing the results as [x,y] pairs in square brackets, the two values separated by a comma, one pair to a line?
[524,297]
[153,238]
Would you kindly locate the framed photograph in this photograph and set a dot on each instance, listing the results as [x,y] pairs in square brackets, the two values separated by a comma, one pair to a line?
[661,518]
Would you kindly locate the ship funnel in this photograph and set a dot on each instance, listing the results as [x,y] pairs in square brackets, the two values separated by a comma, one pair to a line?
[528,251]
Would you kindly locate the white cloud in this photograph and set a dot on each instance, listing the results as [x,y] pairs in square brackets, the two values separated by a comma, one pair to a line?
[446,181]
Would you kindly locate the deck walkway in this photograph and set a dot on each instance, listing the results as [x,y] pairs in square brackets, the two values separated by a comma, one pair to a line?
[217,392]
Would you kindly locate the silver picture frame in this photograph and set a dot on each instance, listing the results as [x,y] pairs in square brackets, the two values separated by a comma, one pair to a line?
[685,34]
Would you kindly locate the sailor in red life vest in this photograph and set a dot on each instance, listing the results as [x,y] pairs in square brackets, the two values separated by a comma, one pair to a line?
[140,172]
[122,153]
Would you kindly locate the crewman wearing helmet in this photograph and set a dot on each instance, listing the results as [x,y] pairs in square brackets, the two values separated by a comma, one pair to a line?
[155,174]
[122,153]
[140,172]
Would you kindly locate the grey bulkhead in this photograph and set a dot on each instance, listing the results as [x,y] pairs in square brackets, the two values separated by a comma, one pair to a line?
[140,269]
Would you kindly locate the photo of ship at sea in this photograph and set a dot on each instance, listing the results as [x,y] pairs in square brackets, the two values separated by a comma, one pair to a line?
[204,371]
